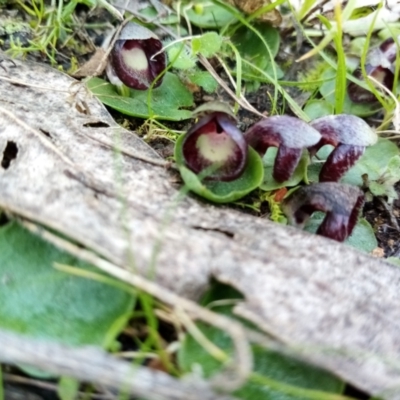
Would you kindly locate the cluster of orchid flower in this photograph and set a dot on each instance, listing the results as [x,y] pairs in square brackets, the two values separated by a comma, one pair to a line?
[216,145]
[217,151]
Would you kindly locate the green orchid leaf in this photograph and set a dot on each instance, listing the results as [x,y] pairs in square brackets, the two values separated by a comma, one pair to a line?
[392,174]
[210,16]
[318,108]
[373,162]
[300,173]
[39,301]
[222,192]
[253,50]
[166,101]
[151,14]
[394,260]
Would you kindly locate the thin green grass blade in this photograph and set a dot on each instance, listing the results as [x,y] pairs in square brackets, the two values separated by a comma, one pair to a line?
[341,80]
[238,59]
[305,8]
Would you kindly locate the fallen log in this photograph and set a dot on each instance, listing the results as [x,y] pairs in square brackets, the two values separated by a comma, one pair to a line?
[68,166]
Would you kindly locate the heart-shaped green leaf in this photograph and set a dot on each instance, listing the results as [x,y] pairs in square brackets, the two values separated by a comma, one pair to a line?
[299,174]
[165,103]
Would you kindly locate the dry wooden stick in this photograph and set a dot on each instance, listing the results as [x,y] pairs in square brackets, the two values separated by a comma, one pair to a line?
[92,365]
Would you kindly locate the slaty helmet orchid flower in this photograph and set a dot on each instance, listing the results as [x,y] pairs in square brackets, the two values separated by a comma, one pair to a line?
[349,135]
[341,203]
[136,58]
[215,146]
[291,135]
[380,64]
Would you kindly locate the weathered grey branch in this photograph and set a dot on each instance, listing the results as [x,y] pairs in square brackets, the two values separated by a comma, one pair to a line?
[89,364]
[333,305]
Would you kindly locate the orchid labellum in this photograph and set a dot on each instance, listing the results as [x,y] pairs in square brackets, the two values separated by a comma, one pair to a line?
[216,147]
[341,203]
[136,58]
[380,64]
[291,135]
[349,135]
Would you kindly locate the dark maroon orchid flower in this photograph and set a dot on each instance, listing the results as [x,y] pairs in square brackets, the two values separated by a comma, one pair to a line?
[136,58]
[215,145]
[291,135]
[380,64]
[349,135]
[341,203]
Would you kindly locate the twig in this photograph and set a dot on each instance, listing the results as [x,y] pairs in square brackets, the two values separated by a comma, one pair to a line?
[389,210]
[138,156]
[23,380]
[90,364]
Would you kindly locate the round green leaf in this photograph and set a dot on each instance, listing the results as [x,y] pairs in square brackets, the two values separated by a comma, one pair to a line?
[269,183]
[166,101]
[318,108]
[180,57]
[210,16]
[373,162]
[252,48]
[222,192]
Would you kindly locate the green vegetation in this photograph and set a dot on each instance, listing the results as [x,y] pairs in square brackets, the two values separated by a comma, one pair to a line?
[208,45]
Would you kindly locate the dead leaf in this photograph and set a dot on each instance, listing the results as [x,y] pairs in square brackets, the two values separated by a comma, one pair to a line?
[95,66]
[251,6]
[333,305]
